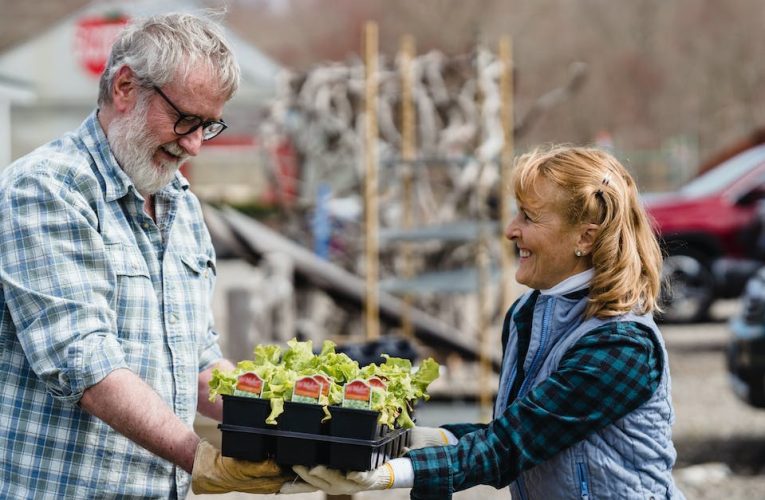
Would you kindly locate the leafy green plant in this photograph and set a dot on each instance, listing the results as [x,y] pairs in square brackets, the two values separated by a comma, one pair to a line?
[279,370]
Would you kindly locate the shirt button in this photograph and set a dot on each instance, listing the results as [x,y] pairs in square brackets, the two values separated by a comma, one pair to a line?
[145,225]
[173,318]
[206,273]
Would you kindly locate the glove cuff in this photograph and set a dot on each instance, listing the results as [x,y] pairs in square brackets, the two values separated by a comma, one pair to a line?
[391,476]
[401,473]
[448,436]
[204,464]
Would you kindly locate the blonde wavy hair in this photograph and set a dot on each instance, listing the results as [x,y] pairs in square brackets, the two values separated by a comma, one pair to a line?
[625,255]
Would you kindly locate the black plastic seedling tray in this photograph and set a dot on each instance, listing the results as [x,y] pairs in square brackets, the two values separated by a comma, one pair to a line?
[351,440]
[300,418]
[246,412]
[373,444]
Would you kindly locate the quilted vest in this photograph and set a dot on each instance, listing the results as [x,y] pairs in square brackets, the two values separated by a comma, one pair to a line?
[631,458]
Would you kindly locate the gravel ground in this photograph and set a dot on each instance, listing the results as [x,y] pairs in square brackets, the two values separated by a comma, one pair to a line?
[720,440]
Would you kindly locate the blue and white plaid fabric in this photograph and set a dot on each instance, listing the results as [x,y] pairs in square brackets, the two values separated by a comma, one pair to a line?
[90,284]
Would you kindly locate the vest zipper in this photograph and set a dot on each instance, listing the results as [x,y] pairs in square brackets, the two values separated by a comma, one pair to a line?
[530,375]
[584,488]
[521,487]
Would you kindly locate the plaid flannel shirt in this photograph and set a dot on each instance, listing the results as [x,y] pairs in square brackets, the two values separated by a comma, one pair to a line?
[609,372]
[90,284]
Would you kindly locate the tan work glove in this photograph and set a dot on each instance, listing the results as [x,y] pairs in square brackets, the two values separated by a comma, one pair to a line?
[214,473]
[422,437]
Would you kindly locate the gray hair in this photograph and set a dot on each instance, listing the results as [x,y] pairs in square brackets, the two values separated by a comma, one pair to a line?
[161,48]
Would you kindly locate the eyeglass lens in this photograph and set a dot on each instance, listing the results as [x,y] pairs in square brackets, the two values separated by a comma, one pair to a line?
[187,124]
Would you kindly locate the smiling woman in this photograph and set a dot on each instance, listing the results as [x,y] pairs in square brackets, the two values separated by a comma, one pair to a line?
[578,209]
[583,408]
[551,249]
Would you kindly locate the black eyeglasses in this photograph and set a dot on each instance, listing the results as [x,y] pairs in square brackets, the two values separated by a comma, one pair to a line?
[187,124]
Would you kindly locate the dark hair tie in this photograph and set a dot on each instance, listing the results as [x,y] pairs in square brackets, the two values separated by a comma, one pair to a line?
[606,181]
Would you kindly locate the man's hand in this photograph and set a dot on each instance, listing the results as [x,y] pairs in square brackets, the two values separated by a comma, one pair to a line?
[335,482]
[422,437]
[213,473]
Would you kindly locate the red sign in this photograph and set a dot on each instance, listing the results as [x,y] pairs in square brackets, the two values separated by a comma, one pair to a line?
[93,40]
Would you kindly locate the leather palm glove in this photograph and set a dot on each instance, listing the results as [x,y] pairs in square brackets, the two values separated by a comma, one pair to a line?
[422,437]
[335,482]
[214,473]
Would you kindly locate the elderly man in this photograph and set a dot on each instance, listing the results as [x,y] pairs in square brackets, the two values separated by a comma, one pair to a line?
[105,285]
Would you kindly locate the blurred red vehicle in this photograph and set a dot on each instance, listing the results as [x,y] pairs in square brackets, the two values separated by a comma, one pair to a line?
[710,230]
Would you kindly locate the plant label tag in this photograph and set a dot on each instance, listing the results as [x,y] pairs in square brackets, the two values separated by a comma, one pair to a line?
[249,384]
[357,394]
[379,389]
[377,383]
[325,381]
[306,390]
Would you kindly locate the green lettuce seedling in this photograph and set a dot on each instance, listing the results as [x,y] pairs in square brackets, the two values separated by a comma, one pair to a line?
[279,370]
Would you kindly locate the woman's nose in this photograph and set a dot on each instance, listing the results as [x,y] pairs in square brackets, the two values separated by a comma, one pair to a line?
[511,231]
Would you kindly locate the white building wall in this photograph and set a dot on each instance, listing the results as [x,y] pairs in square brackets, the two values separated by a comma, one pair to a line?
[9,93]
[67,92]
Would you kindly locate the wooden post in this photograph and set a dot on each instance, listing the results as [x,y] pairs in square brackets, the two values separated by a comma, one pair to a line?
[408,154]
[507,279]
[372,310]
[482,263]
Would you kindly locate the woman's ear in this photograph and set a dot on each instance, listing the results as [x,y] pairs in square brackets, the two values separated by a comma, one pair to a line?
[587,237]
[124,90]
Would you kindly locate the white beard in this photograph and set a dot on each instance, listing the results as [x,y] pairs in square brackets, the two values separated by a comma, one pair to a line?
[134,148]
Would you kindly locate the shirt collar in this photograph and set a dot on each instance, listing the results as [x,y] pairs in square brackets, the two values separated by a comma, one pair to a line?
[117,183]
[571,284]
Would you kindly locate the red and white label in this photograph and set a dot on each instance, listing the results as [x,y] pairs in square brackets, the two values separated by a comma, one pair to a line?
[377,383]
[324,381]
[306,387]
[250,382]
[357,390]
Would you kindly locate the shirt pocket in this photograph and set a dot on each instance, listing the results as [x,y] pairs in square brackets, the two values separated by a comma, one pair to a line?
[134,300]
[200,265]
[197,280]
[127,261]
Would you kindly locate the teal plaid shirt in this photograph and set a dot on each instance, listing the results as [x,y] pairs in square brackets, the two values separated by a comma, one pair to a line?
[609,372]
[90,284]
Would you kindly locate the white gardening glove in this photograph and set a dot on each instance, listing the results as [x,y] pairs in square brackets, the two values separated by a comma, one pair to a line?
[297,486]
[422,437]
[335,482]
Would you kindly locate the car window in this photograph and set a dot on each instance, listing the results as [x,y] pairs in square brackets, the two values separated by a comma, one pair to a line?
[752,192]
[725,173]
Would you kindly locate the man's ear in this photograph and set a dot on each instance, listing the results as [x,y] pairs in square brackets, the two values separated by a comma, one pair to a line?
[124,90]
[587,237]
